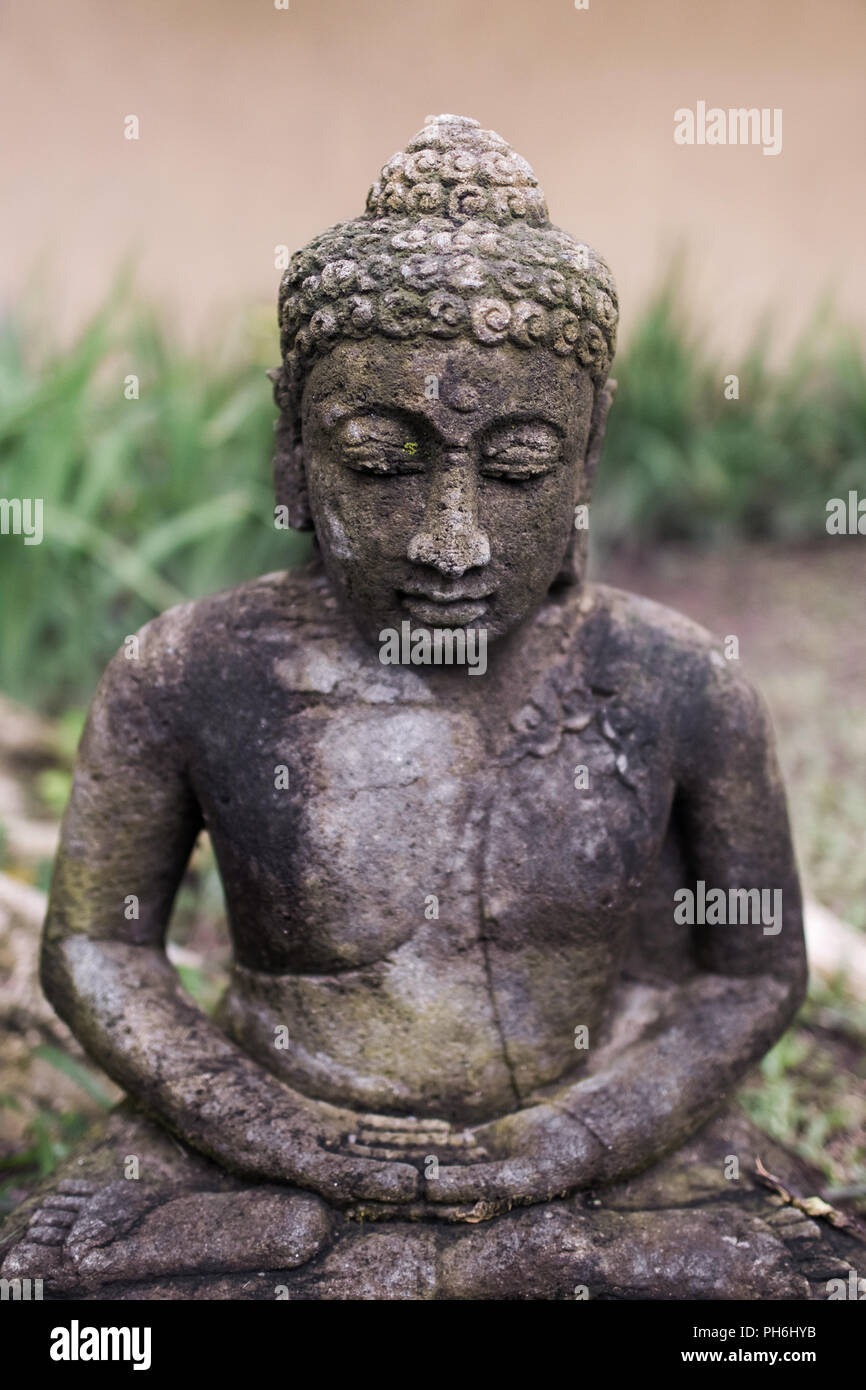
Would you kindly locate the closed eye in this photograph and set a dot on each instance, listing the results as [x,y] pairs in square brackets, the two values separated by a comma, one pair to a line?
[515,466]
[520,452]
[383,459]
[376,444]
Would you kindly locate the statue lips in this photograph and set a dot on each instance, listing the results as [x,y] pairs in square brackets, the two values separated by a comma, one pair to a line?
[439,608]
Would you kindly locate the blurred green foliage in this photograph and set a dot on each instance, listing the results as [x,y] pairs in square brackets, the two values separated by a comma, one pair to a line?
[148,502]
[809,1092]
[683,462]
[50,1132]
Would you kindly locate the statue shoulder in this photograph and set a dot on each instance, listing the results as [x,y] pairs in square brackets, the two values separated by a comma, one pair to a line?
[639,624]
[692,678]
[174,654]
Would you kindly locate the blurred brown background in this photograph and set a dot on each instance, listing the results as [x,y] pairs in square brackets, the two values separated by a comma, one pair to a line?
[262,126]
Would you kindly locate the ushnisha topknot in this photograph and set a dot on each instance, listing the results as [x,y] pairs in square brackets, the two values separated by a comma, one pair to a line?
[455,240]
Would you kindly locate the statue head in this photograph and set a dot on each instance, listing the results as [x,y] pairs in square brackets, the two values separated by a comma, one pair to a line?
[444,389]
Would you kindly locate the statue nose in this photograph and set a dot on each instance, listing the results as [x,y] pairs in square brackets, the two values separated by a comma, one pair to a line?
[451,539]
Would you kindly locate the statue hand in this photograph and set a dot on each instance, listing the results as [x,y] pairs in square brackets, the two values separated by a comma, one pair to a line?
[342,1180]
[301,1147]
[539,1153]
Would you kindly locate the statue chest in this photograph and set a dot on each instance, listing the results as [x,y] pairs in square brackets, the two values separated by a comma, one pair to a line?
[348,830]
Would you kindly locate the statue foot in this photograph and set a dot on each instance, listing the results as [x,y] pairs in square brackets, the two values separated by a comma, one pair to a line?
[181,1216]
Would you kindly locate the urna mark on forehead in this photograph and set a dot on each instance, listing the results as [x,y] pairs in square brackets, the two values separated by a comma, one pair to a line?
[455,243]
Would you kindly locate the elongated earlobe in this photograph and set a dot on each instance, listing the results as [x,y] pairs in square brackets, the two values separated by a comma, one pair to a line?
[603,402]
[290,478]
[573,565]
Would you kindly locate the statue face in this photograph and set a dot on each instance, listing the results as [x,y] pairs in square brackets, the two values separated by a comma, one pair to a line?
[451,510]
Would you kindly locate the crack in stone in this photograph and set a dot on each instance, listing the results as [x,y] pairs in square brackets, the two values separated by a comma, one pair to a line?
[485,955]
[563,1110]
[384,786]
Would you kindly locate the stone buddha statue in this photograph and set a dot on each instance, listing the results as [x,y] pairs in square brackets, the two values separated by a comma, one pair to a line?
[466,1020]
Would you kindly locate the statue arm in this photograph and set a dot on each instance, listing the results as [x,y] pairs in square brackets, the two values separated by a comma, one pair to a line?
[658,1091]
[131,823]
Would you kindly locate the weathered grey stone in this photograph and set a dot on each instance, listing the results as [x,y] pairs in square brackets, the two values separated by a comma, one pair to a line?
[461,996]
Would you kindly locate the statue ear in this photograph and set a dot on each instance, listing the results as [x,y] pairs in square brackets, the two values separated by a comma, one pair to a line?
[574,560]
[598,425]
[290,479]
